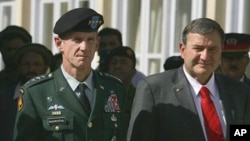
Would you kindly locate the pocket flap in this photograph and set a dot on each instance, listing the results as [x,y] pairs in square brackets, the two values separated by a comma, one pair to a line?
[58,123]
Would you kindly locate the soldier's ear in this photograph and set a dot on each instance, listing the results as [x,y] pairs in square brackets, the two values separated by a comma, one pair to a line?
[58,43]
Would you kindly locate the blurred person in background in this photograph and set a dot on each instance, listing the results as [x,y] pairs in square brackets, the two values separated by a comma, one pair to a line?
[235,57]
[32,60]
[173,62]
[111,38]
[121,63]
[11,38]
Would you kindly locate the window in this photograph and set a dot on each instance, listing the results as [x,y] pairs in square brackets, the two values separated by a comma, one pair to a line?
[7,18]
[159,31]
[6,14]
[46,13]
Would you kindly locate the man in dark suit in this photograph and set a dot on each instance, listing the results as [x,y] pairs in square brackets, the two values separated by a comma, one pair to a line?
[73,103]
[169,106]
[235,58]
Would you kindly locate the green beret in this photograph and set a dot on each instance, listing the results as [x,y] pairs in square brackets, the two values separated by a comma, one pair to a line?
[79,19]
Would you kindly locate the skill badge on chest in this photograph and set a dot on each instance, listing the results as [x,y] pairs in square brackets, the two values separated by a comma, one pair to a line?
[56,109]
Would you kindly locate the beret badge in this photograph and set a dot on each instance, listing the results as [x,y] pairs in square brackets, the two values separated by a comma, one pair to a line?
[95,22]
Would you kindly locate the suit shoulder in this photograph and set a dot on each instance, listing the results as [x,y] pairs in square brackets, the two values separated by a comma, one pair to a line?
[108,77]
[231,83]
[38,79]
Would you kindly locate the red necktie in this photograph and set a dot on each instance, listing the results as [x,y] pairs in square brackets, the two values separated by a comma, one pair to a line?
[211,119]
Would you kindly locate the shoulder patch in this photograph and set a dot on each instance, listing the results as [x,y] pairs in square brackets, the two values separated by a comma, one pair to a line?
[39,79]
[20,100]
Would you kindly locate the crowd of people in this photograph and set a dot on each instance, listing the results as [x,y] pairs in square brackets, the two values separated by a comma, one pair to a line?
[60,97]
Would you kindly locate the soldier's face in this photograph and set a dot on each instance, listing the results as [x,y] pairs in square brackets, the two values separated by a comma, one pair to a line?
[78,49]
[234,67]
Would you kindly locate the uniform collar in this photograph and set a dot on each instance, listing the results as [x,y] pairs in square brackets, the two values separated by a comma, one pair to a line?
[73,83]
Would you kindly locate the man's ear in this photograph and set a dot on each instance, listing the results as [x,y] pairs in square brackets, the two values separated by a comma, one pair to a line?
[182,48]
[58,42]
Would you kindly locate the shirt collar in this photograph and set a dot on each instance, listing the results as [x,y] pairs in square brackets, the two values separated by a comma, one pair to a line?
[197,86]
[242,78]
[73,83]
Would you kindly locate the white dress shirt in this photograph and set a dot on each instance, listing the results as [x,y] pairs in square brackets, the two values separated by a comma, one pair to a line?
[212,86]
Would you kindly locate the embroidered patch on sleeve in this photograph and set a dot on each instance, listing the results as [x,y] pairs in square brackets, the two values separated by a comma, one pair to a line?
[20,100]
[20,103]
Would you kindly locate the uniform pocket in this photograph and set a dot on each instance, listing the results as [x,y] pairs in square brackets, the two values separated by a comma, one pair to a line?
[60,128]
[58,123]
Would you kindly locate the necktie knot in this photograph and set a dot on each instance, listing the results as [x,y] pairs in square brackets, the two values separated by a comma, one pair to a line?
[81,87]
[204,92]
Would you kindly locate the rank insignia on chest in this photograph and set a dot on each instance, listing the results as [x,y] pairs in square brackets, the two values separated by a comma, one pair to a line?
[112,104]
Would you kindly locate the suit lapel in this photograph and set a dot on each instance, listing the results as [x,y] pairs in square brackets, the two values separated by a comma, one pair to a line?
[225,100]
[183,93]
[66,96]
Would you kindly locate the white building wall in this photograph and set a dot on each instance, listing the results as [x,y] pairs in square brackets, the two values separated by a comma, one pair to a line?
[151,27]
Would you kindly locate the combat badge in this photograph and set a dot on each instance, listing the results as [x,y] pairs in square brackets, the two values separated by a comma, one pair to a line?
[20,100]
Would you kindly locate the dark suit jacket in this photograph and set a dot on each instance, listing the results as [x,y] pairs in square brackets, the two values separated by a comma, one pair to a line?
[8,108]
[52,112]
[246,80]
[164,109]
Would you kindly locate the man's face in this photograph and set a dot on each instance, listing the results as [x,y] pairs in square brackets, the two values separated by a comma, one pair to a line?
[31,65]
[109,42]
[78,49]
[201,55]
[234,66]
[121,67]
[9,49]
